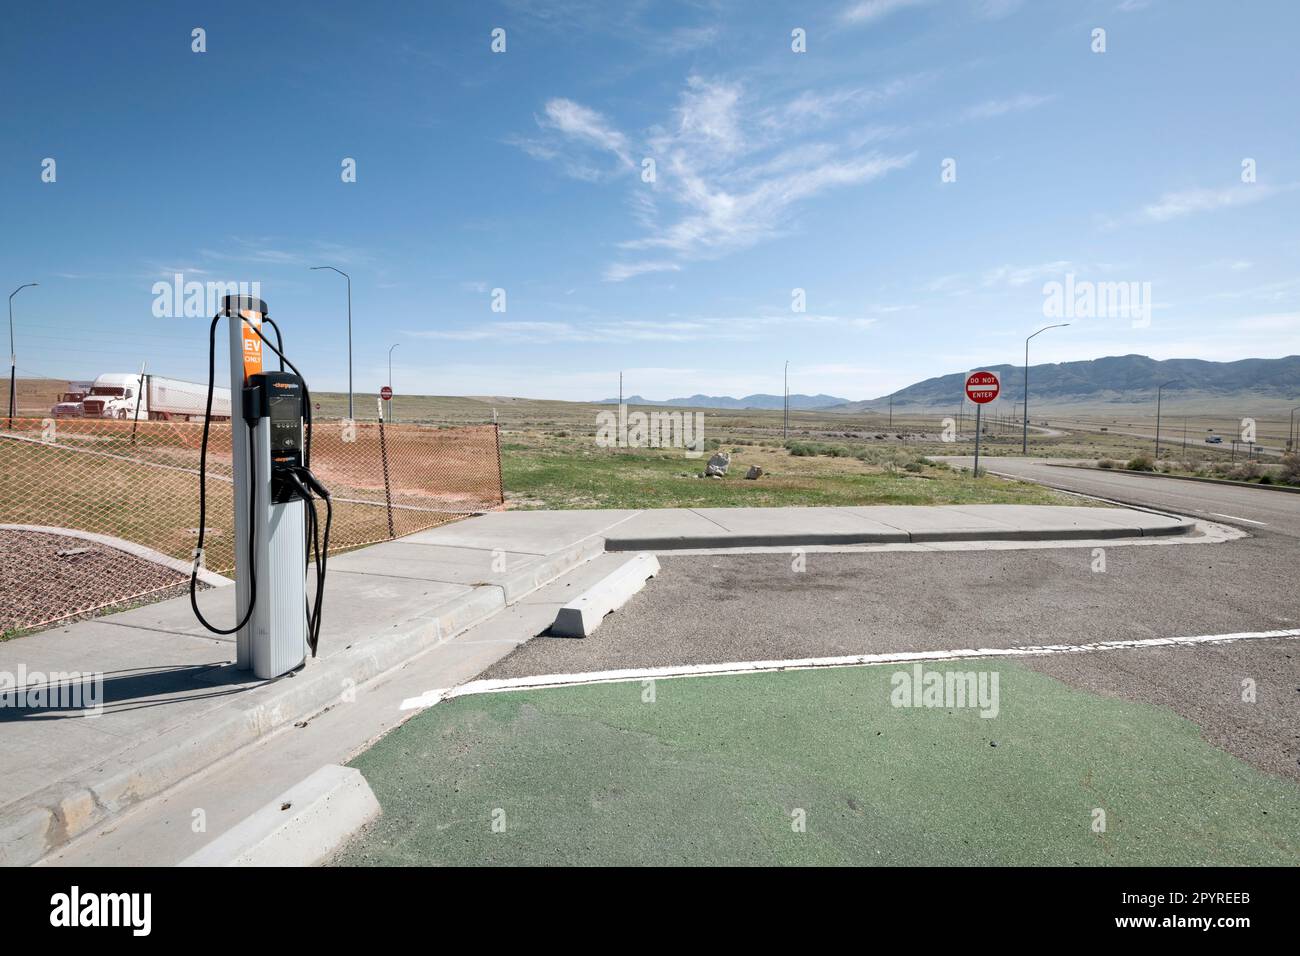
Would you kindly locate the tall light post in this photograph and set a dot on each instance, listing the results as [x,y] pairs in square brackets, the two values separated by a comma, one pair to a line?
[390,375]
[1024,431]
[13,356]
[349,278]
[1290,434]
[785,404]
[1158,391]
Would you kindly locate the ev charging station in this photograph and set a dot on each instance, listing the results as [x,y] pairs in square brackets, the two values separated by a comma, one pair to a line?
[274,500]
[274,641]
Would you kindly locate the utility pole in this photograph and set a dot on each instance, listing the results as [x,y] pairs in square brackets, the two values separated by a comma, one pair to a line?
[891,412]
[1024,434]
[785,420]
[390,377]
[1290,435]
[13,356]
[1158,391]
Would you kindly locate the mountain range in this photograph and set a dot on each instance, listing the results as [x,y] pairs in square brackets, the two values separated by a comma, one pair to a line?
[1115,379]
[801,402]
[1118,379]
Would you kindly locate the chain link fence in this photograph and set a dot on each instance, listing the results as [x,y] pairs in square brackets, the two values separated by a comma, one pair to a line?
[67,485]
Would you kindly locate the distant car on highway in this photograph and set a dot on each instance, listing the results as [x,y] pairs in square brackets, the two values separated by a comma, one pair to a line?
[1214,440]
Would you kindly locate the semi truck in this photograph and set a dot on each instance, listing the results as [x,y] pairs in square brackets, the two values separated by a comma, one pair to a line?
[130,395]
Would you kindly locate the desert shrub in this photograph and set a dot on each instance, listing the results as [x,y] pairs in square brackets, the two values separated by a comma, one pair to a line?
[913,466]
[1105,463]
[1290,469]
[1141,462]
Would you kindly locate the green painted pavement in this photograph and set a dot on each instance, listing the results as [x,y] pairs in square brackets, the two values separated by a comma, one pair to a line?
[715,770]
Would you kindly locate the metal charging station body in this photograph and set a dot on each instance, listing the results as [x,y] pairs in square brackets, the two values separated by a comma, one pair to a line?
[274,641]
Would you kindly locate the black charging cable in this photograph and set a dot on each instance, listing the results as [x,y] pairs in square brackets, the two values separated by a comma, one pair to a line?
[203,500]
[305,483]
[302,479]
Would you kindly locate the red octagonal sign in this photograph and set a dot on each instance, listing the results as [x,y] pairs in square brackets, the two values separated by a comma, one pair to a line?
[982,387]
[385,393]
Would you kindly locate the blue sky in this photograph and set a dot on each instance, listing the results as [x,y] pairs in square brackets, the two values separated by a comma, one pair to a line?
[774,171]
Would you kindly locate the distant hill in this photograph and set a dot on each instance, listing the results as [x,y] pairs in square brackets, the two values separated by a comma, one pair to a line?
[801,402]
[1119,379]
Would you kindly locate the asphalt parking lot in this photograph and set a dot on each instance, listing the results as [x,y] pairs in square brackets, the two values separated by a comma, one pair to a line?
[1191,752]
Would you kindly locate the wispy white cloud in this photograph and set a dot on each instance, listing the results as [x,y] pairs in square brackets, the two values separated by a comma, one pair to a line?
[729,172]
[869,11]
[1016,104]
[1175,205]
[618,271]
[669,329]
[1017,276]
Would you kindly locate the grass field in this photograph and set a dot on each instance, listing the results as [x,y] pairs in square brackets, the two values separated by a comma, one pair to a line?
[720,770]
[548,470]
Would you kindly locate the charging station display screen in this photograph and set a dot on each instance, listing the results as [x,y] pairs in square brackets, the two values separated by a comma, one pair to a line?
[285,413]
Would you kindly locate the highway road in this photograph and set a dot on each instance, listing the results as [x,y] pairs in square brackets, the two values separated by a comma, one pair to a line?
[1254,509]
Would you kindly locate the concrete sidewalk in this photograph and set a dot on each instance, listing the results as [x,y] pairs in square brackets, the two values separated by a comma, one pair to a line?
[174,704]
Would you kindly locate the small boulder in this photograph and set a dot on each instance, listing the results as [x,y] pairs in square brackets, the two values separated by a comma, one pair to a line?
[718,464]
[754,472]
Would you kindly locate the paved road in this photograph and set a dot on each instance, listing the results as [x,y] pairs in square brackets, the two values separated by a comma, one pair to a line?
[1254,509]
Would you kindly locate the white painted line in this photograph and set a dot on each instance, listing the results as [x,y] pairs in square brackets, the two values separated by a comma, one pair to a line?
[541,681]
[427,699]
[1235,518]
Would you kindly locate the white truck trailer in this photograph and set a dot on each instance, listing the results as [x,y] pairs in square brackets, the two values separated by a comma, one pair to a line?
[129,395]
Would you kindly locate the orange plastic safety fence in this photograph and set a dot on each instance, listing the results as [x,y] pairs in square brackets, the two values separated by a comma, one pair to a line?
[138,481]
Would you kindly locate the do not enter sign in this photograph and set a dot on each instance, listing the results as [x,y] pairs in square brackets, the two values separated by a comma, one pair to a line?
[983,387]
[385,393]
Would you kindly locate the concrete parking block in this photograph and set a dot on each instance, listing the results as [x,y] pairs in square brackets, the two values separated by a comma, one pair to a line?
[304,826]
[581,616]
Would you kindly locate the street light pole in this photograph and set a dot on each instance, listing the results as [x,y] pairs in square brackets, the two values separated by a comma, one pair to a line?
[390,376]
[1024,432]
[1158,391]
[349,278]
[1290,433]
[13,356]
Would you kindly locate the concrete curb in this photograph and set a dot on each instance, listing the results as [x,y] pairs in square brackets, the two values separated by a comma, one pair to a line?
[584,614]
[1290,489]
[304,826]
[778,539]
[720,541]
[37,825]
